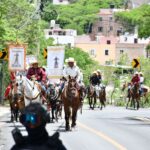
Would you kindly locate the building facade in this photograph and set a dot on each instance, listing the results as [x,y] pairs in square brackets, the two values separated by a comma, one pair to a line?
[106,24]
[61,36]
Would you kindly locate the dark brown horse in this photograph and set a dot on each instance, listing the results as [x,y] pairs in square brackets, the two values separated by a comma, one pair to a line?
[16,101]
[133,94]
[102,97]
[54,103]
[94,93]
[71,100]
[91,95]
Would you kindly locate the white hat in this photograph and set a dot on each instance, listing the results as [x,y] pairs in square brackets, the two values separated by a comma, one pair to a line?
[98,70]
[34,62]
[94,72]
[70,59]
[136,72]
[141,73]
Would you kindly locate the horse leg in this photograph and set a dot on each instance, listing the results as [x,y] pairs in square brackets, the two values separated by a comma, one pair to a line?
[67,116]
[74,117]
[52,114]
[16,114]
[12,118]
[133,100]
[90,102]
[94,102]
[128,103]
[138,102]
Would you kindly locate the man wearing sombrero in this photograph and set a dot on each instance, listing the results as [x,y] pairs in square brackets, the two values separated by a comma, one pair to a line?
[72,70]
[38,74]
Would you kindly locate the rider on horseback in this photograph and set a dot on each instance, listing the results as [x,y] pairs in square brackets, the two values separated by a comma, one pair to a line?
[38,74]
[9,87]
[135,80]
[94,80]
[73,70]
[99,75]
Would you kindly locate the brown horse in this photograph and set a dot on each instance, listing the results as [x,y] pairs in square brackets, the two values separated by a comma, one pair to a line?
[71,100]
[102,97]
[16,101]
[91,95]
[94,93]
[133,94]
[145,94]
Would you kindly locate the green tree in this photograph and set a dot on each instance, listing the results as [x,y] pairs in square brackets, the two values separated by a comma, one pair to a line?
[79,14]
[139,17]
[85,63]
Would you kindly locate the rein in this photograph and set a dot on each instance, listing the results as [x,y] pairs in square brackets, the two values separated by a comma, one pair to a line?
[33,97]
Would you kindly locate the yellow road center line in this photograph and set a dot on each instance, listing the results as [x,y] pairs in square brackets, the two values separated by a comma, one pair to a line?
[103,136]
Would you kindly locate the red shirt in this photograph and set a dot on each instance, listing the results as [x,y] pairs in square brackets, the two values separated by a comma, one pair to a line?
[38,72]
[135,79]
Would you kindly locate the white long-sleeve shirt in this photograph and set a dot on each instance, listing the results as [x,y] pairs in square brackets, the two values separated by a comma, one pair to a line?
[141,79]
[74,71]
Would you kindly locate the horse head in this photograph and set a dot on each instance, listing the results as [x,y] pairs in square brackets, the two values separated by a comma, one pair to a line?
[72,82]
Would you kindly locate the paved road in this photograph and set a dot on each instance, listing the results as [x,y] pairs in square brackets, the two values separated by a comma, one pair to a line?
[110,129]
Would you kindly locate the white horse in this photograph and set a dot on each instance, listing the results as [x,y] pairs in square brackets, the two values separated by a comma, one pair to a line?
[30,89]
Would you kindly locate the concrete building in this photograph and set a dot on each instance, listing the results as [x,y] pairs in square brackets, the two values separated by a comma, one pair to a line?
[108,50]
[61,36]
[131,50]
[101,50]
[106,24]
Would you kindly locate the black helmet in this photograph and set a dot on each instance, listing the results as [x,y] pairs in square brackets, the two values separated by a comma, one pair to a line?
[34,115]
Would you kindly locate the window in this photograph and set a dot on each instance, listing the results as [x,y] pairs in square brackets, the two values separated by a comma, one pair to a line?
[110,18]
[100,19]
[60,0]
[125,39]
[110,62]
[108,42]
[50,33]
[100,29]
[135,40]
[111,28]
[121,51]
[106,52]
[93,52]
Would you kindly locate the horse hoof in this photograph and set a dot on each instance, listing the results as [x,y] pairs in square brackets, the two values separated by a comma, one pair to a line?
[67,128]
[73,125]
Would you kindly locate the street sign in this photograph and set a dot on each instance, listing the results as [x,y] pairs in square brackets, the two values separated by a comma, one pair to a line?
[45,53]
[4,54]
[135,63]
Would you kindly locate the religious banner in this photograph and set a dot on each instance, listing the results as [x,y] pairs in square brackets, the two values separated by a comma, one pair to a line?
[55,62]
[16,57]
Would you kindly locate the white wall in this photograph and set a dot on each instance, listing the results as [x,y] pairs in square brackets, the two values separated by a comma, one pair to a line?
[62,39]
[130,39]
